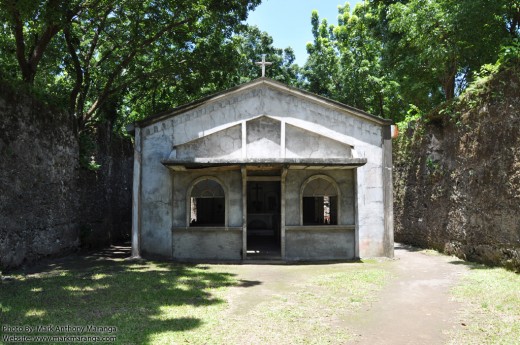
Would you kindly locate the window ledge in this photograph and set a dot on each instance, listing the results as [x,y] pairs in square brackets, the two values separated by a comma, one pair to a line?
[320,228]
[206,228]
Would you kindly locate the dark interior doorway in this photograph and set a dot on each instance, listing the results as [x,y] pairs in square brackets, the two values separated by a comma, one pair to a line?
[263,219]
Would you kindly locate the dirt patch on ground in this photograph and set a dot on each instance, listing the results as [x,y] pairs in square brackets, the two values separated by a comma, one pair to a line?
[413,307]
[416,306]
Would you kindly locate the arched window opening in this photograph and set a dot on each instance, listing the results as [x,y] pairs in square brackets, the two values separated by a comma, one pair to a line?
[320,202]
[207,204]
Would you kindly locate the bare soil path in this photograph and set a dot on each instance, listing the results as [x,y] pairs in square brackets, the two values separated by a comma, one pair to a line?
[416,307]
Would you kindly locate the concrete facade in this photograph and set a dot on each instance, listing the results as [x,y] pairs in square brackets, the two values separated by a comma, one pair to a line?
[263,143]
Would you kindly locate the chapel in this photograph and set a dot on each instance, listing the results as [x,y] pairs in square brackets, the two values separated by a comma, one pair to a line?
[262,171]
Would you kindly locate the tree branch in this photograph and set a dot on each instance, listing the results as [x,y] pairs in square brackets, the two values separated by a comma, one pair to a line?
[142,76]
[77,68]
[41,45]
[19,39]
[87,62]
[95,40]
[125,62]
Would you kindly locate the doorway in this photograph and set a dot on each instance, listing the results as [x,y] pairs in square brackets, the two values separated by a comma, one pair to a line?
[263,219]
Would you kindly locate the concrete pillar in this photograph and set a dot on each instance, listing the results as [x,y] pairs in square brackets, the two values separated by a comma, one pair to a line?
[282,215]
[244,212]
[388,195]
[136,196]
[356,213]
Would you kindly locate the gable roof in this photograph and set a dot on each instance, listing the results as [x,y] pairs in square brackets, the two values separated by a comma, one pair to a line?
[264,81]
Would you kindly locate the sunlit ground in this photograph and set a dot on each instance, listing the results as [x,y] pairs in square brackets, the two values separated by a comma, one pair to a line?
[167,303]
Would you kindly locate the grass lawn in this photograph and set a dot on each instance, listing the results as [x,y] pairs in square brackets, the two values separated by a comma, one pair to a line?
[315,309]
[145,302]
[167,303]
[492,307]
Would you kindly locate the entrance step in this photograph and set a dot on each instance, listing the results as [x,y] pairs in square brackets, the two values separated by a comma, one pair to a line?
[264,261]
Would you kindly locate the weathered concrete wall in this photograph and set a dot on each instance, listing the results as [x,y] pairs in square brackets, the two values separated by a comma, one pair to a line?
[301,143]
[218,243]
[227,144]
[156,196]
[323,244]
[317,243]
[38,181]
[207,244]
[457,179]
[263,138]
[250,104]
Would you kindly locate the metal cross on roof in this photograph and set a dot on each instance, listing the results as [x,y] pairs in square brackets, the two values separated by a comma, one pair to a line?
[263,63]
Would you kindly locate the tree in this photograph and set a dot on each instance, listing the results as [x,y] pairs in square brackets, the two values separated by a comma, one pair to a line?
[388,56]
[344,63]
[442,43]
[213,65]
[34,24]
[107,48]
[321,71]
[147,42]
[365,83]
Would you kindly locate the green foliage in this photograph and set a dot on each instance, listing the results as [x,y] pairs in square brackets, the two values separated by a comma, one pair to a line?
[438,49]
[322,66]
[42,95]
[387,55]
[413,115]
[412,124]
[480,89]
[91,53]
[487,70]
[510,53]
[249,44]
[345,63]
[119,61]
[432,165]
[213,65]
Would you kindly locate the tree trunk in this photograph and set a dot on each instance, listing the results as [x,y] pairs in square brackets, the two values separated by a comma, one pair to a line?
[28,73]
[448,83]
[449,88]
[381,105]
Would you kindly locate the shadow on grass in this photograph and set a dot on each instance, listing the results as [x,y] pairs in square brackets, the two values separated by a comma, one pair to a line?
[141,299]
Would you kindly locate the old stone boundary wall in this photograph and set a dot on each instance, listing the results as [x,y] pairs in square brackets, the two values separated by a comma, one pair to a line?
[38,180]
[49,205]
[457,177]
[106,194]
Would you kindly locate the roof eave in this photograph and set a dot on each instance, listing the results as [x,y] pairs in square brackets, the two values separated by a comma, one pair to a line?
[212,162]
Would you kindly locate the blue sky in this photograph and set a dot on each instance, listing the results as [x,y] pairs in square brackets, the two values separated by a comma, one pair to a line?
[289,21]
